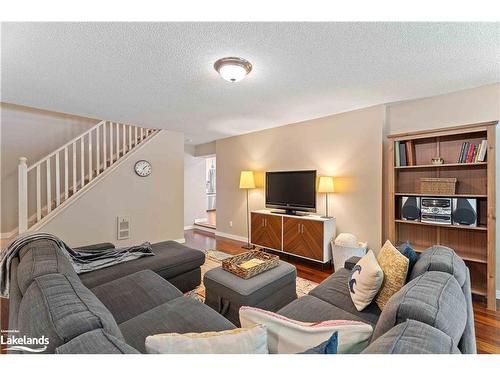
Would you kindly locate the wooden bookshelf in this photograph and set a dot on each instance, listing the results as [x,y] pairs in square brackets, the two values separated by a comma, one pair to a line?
[475,245]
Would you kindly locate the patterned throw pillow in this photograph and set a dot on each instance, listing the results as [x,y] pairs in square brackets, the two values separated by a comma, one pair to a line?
[365,281]
[395,268]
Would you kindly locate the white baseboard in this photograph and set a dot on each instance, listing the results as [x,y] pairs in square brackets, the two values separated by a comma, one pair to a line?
[231,236]
[181,240]
[188,227]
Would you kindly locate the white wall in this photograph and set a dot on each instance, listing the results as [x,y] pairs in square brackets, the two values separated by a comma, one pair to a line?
[31,133]
[154,203]
[195,199]
[347,146]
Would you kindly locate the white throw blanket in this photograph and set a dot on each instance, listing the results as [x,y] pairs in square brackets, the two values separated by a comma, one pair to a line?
[82,261]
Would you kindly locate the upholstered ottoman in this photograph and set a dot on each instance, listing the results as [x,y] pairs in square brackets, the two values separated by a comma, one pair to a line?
[270,290]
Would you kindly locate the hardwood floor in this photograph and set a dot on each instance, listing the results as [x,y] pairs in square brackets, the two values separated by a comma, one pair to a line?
[487,323]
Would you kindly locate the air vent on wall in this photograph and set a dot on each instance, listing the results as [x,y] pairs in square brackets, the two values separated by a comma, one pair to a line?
[123,227]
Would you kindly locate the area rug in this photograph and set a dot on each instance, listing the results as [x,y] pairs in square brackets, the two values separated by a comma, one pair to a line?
[214,258]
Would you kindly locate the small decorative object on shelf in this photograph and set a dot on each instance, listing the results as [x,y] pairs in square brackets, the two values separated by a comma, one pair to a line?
[437,160]
[250,264]
[433,185]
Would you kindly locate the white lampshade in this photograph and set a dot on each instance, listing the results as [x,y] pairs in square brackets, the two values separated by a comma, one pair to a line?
[326,184]
[247,180]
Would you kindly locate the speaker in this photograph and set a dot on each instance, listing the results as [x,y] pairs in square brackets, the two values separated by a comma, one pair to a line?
[410,208]
[464,211]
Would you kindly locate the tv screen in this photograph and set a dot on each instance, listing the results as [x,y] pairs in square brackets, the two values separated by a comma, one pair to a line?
[291,190]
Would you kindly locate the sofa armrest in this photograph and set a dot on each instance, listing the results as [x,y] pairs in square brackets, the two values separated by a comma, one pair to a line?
[351,262]
[95,247]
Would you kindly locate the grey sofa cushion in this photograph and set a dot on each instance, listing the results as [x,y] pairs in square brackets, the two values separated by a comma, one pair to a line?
[61,309]
[181,315]
[131,295]
[97,341]
[413,337]
[310,309]
[434,298]
[42,257]
[170,260]
[335,291]
[440,258]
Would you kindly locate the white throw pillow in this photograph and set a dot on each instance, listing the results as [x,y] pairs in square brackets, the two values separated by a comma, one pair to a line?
[287,336]
[248,340]
[365,281]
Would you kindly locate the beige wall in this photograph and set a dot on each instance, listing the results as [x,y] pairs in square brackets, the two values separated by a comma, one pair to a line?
[479,104]
[154,203]
[348,146]
[31,133]
[195,198]
[205,149]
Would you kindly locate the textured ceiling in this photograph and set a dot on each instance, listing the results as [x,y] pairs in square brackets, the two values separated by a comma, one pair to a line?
[161,75]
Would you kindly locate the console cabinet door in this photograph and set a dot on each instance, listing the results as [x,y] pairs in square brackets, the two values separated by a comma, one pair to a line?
[266,230]
[303,237]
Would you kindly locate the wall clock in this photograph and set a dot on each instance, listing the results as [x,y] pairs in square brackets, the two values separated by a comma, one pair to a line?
[142,168]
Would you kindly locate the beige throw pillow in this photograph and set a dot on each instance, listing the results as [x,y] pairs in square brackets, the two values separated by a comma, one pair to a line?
[249,340]
[395,267]
[365,281]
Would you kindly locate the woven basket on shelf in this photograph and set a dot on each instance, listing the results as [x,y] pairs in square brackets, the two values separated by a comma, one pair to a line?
[233,264]
[429,185]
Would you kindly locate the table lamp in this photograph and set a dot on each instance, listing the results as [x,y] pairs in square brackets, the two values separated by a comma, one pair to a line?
[326,186]
[247,181]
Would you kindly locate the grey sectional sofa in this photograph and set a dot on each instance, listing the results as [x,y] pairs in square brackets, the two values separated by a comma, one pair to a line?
[47,298]
[176,263]
[431,314]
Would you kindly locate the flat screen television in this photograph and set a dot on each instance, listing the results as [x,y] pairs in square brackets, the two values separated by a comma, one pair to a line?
[291,191]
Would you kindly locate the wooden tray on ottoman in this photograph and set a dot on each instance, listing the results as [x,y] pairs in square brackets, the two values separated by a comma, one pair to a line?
[266,262]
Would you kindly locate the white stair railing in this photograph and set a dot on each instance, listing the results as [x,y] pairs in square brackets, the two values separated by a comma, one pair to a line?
[71,167]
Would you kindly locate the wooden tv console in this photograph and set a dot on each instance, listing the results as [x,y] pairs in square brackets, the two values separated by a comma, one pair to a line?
[306,236]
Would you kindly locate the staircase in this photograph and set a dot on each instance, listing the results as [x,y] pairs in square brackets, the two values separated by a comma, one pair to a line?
[51,183]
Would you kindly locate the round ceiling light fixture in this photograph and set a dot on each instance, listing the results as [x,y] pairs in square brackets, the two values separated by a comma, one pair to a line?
[233,69]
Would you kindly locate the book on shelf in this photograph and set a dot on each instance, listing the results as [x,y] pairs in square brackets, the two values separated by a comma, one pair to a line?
[402,154]
[396,149]
[410,152]
[463,152]
[470,153]
[482,152]
[476,154]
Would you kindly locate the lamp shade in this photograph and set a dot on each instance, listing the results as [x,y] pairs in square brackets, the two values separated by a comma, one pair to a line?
[247,180]
[325,184]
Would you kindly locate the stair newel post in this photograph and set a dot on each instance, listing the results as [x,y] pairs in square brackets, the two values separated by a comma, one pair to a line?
[23,194]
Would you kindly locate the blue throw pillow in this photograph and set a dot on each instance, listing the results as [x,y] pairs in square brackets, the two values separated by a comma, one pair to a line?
[327,347]
[407,250]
